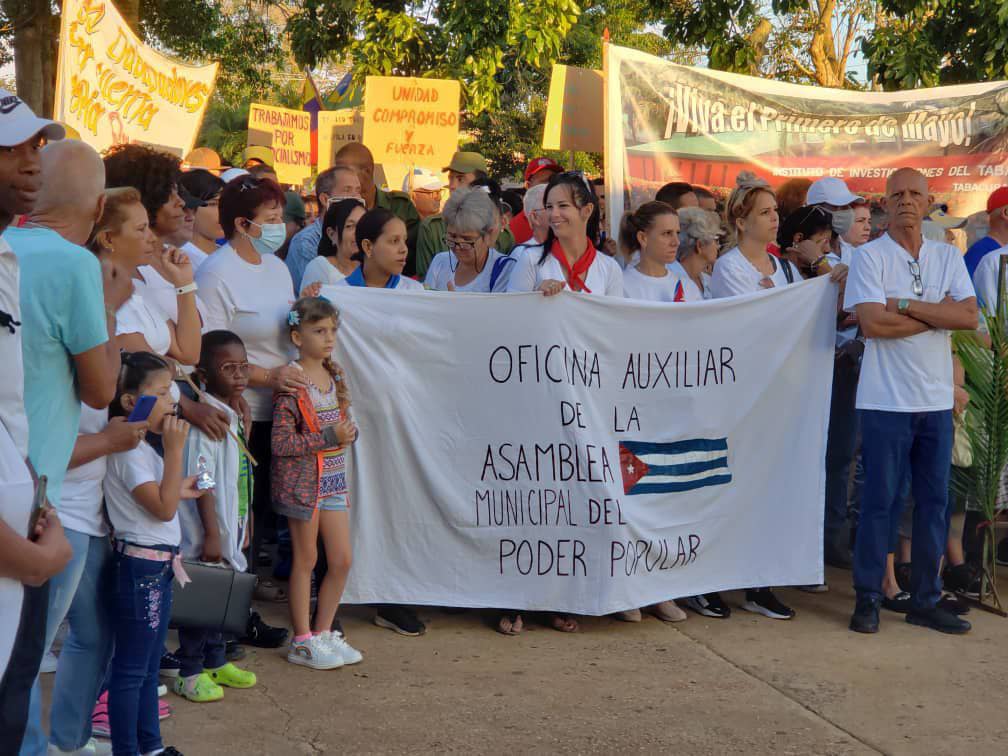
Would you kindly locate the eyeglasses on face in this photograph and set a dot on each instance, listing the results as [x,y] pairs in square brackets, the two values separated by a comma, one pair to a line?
[235,369]
[466,245]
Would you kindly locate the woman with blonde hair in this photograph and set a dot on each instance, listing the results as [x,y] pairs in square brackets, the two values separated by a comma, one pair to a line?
[751,212]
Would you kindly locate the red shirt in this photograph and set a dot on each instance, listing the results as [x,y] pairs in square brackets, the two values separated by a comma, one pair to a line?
[520,228]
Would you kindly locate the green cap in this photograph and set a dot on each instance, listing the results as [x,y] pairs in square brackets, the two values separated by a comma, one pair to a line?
[262,154]
[294,209]
[467,162]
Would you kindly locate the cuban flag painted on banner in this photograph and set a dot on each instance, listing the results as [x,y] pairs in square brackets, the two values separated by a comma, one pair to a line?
[673,467]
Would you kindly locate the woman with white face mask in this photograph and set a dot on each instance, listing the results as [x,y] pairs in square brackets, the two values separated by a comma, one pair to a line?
[245,288]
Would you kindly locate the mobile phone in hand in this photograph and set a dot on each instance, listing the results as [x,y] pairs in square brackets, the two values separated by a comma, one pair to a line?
[142,409]
[39,504]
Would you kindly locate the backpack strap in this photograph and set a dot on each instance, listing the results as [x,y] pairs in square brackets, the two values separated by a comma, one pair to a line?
[499,266]
[785,266]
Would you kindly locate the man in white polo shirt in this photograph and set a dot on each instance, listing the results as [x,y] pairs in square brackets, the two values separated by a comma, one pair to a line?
[909,293]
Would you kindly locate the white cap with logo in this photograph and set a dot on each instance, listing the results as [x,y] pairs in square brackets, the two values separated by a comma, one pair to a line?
[830,190]
[19,124]
[423,179]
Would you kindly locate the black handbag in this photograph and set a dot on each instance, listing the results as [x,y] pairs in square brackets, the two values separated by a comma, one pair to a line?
[218,599]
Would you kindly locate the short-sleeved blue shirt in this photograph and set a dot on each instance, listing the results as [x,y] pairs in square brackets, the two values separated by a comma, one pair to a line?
[62,315]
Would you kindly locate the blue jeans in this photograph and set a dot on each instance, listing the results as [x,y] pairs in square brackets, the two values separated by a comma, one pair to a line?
[894,445]
[80,592]
[199,650]
[840,446]
[141,606]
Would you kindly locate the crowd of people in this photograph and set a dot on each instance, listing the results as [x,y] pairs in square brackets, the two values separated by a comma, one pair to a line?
[171,389]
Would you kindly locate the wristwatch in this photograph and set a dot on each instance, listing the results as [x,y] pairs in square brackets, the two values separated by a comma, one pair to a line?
[902,305]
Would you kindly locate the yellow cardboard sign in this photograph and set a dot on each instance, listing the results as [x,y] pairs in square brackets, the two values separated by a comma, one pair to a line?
[113,89]
[288,133]
[335,129]
[574,110]
[411,121]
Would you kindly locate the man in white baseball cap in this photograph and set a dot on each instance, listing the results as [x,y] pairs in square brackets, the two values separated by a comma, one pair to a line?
[832,194]
[424,188]
[26,564]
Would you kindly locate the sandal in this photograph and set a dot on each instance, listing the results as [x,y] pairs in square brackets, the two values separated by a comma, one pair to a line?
[510,624]
[267,590]
[564,623]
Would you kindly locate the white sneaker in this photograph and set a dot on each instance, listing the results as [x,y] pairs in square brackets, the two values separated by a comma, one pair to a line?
[91,748]
[49,663]
[338,644]
[162,690]
[314,653]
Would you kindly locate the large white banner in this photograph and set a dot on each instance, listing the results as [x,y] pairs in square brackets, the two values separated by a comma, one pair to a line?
[584,454]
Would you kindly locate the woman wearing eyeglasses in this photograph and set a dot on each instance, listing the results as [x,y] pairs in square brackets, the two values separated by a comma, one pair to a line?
[337,246]
[568,259]
[471,262]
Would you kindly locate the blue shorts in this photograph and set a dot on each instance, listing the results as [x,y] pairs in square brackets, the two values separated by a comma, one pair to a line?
[337,503]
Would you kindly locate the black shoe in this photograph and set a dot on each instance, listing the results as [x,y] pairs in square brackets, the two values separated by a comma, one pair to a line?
[762,601]
[171,751]
[838,558]
[900,603]
[258,633]
[962,579]
[866,616]
[1001,555]
[953,605]
[400,619]
[709,605]
[233,651]
[170,665]
[903,572]
[938,619]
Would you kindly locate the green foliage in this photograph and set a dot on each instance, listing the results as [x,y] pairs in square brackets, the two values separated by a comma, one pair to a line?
[986,424]
[933,42]
[238,35]
[478,42]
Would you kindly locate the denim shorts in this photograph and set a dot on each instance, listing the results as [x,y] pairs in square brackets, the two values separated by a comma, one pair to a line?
[337,503]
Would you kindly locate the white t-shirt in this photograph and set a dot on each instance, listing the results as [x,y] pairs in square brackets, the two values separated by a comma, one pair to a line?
[80,504]
[691,291]
[735,275]
[16,494]
[440,272]
[12,406]
[985,278]
[196,255]
[136,316]
[403,284]
[157,291]
[253,302]
[911,374]
[604,276]
[637,285]
[130,522]
[222,461]
[320,270]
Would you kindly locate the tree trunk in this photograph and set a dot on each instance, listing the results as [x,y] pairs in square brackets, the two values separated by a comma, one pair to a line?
[36,42]
[829,71]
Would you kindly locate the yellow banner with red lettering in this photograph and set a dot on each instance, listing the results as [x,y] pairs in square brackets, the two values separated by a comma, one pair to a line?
[114,89]
[411,121]
[288,133]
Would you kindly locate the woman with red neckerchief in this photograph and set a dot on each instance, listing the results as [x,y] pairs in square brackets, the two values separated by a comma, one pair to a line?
[568,258]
